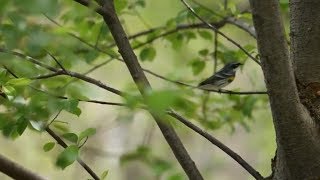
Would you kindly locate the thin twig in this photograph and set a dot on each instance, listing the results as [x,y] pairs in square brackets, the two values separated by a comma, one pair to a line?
[58,139]
[215,53]
[219,32]
[222,91]
[80,146]
[55,117]
[68,73]
[89,71]
[217,143]
[242,25]
[98,37]
[63,97]
[46,76]
[113,90]
[64,145]
[56,60]
[146,70]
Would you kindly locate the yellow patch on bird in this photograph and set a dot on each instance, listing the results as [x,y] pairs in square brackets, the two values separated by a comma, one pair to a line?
[231,78]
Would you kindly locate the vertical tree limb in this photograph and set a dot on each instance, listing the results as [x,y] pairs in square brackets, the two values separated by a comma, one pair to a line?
[298,145]
[143,85]
[305,38]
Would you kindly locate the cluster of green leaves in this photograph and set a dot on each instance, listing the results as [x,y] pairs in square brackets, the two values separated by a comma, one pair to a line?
[25,27]
[158,166]
[229,111]
[71,153]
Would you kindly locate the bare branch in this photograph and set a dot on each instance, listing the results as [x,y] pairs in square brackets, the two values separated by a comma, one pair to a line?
[217,143]
[16,171]
[219,32]
[46,76]
[242,25]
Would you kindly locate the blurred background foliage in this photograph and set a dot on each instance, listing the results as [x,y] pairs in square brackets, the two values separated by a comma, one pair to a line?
[124,141]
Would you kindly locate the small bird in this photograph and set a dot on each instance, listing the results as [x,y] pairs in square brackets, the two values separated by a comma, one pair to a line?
[221,78]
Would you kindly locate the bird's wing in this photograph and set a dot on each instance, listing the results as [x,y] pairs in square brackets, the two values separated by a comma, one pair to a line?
[216,79]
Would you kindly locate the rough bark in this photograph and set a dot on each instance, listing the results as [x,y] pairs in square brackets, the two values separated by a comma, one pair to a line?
[16,171]
[305,45]
[298,145]
[143,85]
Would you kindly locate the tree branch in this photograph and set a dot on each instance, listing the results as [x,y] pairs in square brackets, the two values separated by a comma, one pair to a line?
[217,143]
[63,97]
[16,171]
[68,73]
[242,25]
[149,41]
[219,32]
[195,128]
[64,145]
[143,85]
[297,135]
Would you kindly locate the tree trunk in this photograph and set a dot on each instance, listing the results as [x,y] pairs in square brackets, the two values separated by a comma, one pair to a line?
[298,146]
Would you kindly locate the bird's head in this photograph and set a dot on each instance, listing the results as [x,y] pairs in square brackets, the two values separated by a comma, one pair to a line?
[233,66]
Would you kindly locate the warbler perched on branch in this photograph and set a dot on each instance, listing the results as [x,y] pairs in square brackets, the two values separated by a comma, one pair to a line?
[221,78]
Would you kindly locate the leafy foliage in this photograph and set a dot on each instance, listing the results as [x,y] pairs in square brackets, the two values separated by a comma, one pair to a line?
[68,156]
[79,39]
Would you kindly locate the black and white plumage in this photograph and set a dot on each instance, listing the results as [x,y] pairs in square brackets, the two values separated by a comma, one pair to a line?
[221,78]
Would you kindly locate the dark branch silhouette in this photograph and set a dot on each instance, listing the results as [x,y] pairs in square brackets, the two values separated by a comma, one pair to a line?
[16,171]
[217,143]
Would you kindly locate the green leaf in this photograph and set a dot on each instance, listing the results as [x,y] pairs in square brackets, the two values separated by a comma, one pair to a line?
[197,66]
[61,127]
[3,121]
[160,166]
[120,5]
[205,35]
[38,125]
[68,156]
[3,73]
[104,175]
[86,133]
[204,52]
[141,153]
[177,177]
[133,101]
[22,124]
[71,105]
[176,40]
[159,101]
[148,54]
[9,90]
[48,146]
[72,137]
[9,129]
